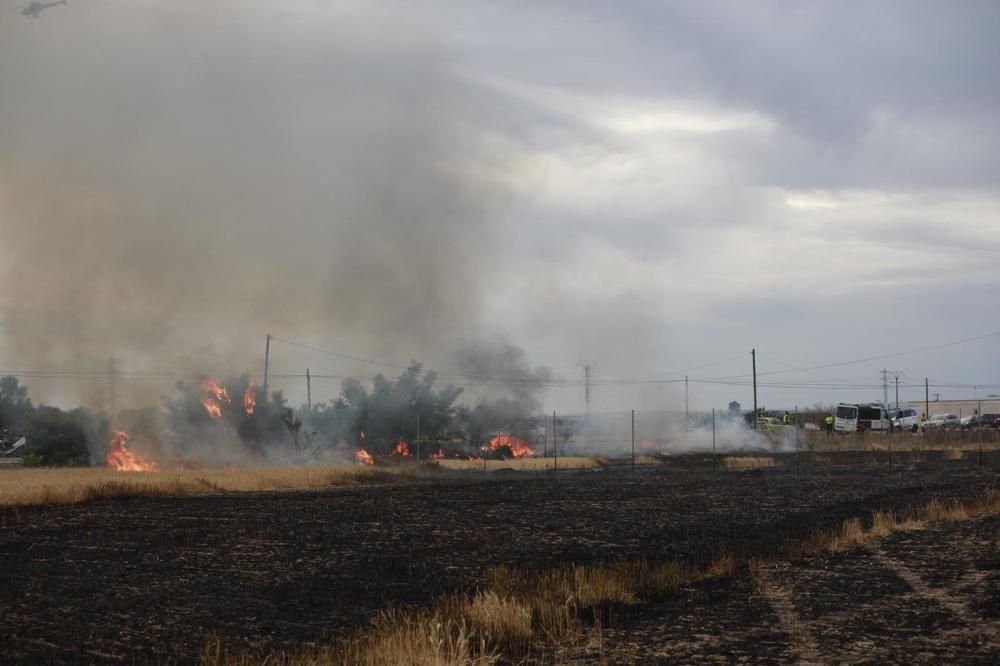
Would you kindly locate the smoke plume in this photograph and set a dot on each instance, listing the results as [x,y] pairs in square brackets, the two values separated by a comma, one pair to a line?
[198,182]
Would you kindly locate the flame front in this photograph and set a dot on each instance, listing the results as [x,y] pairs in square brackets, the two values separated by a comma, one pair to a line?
[363,456]
[402,449]
[518,447]
[250,397]
[437,455]
[213,397]
[122,459]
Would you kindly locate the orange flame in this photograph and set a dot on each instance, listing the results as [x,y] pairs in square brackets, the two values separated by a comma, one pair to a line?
[518,447]
[437,455]
[250,397]
[402,449]
[122,459]
[213,396]
[363,456]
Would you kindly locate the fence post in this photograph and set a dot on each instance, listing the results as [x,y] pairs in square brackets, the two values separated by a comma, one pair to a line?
[713,439]
[796,438]
[633,440]
[545,442]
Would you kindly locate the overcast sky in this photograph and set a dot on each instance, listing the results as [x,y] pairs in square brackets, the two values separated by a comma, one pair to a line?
[658,186]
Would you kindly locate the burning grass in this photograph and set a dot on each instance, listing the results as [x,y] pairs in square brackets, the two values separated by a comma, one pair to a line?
[28,487]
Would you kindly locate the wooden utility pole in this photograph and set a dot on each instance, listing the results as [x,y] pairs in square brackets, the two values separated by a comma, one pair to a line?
[309,392]
[267,360]
[927,400]
[587,366]
[753,355]
[111,387]
[687,413]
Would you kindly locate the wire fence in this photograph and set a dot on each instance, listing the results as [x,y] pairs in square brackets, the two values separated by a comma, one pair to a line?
[628,436]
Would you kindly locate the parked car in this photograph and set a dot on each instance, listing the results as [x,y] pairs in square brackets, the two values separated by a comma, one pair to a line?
[990,420]
[858,418]
[943,422]
[904,419]
[969,422]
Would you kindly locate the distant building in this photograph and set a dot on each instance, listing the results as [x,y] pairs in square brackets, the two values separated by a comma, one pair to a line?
[990,405]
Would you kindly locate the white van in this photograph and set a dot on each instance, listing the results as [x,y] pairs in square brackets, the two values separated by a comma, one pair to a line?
[905,418]
[858,418]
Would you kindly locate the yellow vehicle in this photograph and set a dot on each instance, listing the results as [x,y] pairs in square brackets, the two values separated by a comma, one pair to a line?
[771,424]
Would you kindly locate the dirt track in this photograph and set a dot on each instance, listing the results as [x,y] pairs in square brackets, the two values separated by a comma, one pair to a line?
[149,579]
[927,596]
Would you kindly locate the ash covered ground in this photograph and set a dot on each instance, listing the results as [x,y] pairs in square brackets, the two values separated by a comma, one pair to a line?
[149,579]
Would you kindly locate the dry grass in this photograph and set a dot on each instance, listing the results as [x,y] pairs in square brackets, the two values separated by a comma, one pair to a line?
[853,533]
[935,440]
[522,464]
[430,638]
[747,462]
[27,487]
[519,615]
[421,638]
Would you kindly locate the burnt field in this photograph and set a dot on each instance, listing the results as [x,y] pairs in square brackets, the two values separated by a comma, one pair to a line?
[150,579]
[922,596]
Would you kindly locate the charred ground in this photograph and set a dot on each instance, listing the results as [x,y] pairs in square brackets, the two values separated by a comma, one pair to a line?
[151,578]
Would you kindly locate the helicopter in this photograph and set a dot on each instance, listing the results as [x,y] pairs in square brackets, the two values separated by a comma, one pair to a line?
[33,9]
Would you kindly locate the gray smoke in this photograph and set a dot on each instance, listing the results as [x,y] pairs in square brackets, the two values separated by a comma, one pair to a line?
[509,382]
[199,181]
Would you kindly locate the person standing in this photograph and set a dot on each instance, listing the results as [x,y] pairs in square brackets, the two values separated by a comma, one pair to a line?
[828,422]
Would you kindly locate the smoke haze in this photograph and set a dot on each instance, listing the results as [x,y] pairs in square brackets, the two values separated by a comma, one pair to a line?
[656,186]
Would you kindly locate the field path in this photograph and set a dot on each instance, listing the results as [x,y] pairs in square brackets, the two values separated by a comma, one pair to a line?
[926,596]
[803,647]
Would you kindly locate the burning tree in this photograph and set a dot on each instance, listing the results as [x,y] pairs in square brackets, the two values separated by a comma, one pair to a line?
[389,413]
[208,411]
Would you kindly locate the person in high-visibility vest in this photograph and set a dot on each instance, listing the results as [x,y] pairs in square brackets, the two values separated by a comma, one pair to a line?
[828,422]
[786,419]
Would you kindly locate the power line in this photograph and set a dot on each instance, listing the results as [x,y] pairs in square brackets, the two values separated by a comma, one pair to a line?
[873,358]
[474,380]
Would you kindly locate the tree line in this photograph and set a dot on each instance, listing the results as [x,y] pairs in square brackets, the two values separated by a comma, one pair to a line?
[376,418]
